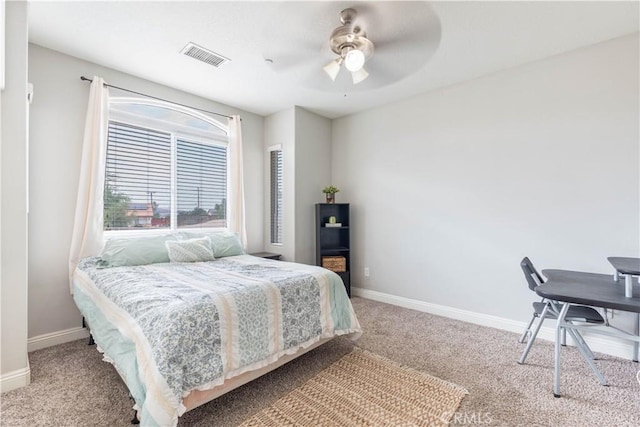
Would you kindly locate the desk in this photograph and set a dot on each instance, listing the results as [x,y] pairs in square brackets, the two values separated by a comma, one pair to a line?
[628,267]
[597,290]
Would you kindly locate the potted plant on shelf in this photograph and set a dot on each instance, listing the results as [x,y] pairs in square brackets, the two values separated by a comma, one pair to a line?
[330,191]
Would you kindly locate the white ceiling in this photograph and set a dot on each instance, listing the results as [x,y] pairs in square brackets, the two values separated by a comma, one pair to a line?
[420,46]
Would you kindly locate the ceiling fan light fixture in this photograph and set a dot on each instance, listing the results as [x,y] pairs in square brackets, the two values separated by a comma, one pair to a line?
[352,46]
[358,76]
[354,60]
[333,68]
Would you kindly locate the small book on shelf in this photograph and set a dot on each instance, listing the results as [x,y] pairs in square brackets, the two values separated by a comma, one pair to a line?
[335,224]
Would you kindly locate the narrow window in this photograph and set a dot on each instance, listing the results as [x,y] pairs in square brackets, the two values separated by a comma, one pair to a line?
[275,154]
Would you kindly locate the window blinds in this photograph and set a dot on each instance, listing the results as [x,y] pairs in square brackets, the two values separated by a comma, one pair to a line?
[276,196]
[137,176]
[201,184]
[138,180]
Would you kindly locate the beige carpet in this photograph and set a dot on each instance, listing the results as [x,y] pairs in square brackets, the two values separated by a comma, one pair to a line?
[364,389]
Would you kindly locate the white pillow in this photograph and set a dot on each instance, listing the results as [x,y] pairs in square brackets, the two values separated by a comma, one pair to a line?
[191,250]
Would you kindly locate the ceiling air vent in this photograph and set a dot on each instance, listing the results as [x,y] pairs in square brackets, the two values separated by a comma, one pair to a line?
[204,55]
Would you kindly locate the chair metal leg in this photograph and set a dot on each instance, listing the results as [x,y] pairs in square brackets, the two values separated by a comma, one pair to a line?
[556,361]
[589,359]
[636,332]
[564,337]
[534,335]
[582,348]
[577,337]
[527,331]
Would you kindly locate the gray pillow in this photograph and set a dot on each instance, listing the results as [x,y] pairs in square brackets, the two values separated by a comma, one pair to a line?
[135,251]
[191,250]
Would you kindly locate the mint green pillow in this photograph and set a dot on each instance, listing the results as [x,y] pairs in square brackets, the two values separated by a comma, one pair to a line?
[223,243]
[191,250]
[135,251]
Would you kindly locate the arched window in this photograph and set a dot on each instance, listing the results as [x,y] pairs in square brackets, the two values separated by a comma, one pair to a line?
[167,167]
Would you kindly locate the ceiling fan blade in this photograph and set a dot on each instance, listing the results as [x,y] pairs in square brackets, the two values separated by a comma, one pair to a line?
[421,32]
[289,62]
[400,43]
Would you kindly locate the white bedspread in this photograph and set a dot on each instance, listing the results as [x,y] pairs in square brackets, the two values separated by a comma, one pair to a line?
[193,325]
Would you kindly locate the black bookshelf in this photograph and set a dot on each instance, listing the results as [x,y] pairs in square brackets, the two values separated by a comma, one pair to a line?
[334,241]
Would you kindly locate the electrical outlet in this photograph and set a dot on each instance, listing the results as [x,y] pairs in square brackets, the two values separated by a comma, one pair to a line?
[366,272]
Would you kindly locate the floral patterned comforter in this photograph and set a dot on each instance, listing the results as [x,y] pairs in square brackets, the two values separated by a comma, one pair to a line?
[196,324]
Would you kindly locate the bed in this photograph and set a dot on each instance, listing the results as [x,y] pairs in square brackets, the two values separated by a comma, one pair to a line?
[183,333]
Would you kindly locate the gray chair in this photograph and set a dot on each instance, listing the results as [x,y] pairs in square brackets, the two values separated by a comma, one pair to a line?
[547,309]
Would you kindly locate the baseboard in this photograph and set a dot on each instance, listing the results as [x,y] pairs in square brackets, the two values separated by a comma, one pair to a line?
[55,338]
[15,379]
[610,346]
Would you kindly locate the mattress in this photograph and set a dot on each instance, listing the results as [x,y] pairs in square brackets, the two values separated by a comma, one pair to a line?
[175,329]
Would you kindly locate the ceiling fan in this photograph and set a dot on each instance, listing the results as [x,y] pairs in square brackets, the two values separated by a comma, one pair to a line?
[406,34]
[349,41]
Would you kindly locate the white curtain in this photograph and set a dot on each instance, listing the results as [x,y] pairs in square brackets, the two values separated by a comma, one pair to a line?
[88,237]
[235,205]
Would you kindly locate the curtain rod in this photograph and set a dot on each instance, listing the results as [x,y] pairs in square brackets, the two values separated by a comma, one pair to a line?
[83,78]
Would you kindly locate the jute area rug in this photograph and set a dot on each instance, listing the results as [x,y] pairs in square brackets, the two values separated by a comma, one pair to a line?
[365,389]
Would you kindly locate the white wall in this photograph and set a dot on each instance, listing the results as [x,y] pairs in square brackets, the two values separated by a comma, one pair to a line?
[14,364]
[305,138]
[313,173]
[57,123]
[450,189]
